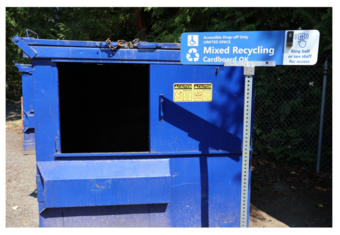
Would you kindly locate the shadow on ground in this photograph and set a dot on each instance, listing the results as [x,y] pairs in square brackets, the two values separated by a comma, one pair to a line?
[34,194]
[292,199]
[13,110]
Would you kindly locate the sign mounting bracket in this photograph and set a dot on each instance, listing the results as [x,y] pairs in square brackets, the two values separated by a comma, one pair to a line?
[249,72]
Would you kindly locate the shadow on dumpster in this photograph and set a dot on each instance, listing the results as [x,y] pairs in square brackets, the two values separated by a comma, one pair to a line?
[105,214]
[209,135]
[227,114]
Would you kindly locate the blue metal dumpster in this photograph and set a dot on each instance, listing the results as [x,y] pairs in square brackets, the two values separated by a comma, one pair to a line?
[130,137]
[28,107]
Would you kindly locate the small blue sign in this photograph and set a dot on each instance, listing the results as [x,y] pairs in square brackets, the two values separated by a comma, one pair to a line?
[215,48]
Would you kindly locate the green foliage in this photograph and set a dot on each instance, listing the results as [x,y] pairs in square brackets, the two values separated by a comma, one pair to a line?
[167,24]
[62,23]
[284,115]
[17,20]
[321,19]
[96,24]
[287,114]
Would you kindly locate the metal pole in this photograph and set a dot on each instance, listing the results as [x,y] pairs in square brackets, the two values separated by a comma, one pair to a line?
[248,89]
[322,115]
[249,72]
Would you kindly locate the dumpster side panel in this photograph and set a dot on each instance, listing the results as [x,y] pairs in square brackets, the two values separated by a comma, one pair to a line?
[46,105]
[28,109]
[27,90]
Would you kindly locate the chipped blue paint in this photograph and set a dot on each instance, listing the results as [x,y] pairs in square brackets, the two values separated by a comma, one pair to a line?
[100,185]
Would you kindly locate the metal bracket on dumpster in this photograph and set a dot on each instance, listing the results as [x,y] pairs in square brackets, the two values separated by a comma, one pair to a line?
[249,66]
[23,69]
[29,51]
[249,71]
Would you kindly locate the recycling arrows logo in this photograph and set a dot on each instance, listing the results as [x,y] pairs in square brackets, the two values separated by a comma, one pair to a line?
[196,55]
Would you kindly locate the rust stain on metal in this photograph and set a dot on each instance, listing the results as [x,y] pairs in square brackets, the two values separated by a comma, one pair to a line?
[174,175]
[102,186]
[97,186]
[91,179]
[109,181]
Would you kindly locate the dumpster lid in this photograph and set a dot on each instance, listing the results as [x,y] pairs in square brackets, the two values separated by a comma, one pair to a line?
[97,44]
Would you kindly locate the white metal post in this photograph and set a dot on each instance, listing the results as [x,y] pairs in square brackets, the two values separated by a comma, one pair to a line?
[248,71]
[248,88]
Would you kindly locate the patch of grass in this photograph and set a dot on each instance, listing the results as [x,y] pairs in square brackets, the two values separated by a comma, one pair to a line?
[14,125]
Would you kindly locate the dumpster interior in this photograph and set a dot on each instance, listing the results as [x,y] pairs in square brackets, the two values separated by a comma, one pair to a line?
[103,107]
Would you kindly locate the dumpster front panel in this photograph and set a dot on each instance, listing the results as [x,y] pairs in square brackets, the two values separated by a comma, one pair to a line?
[196,126]
[115,146]
[200,189]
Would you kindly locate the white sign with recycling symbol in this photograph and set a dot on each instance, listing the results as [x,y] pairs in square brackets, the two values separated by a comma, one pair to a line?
[216,48]
[192,55]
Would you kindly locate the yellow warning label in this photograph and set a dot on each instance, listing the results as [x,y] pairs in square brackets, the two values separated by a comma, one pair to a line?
[192,92]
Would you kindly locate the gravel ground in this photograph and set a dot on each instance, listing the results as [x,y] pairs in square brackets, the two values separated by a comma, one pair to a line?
[20,181]
[13,110]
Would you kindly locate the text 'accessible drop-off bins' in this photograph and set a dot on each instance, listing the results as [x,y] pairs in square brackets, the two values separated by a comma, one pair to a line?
[129,136]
